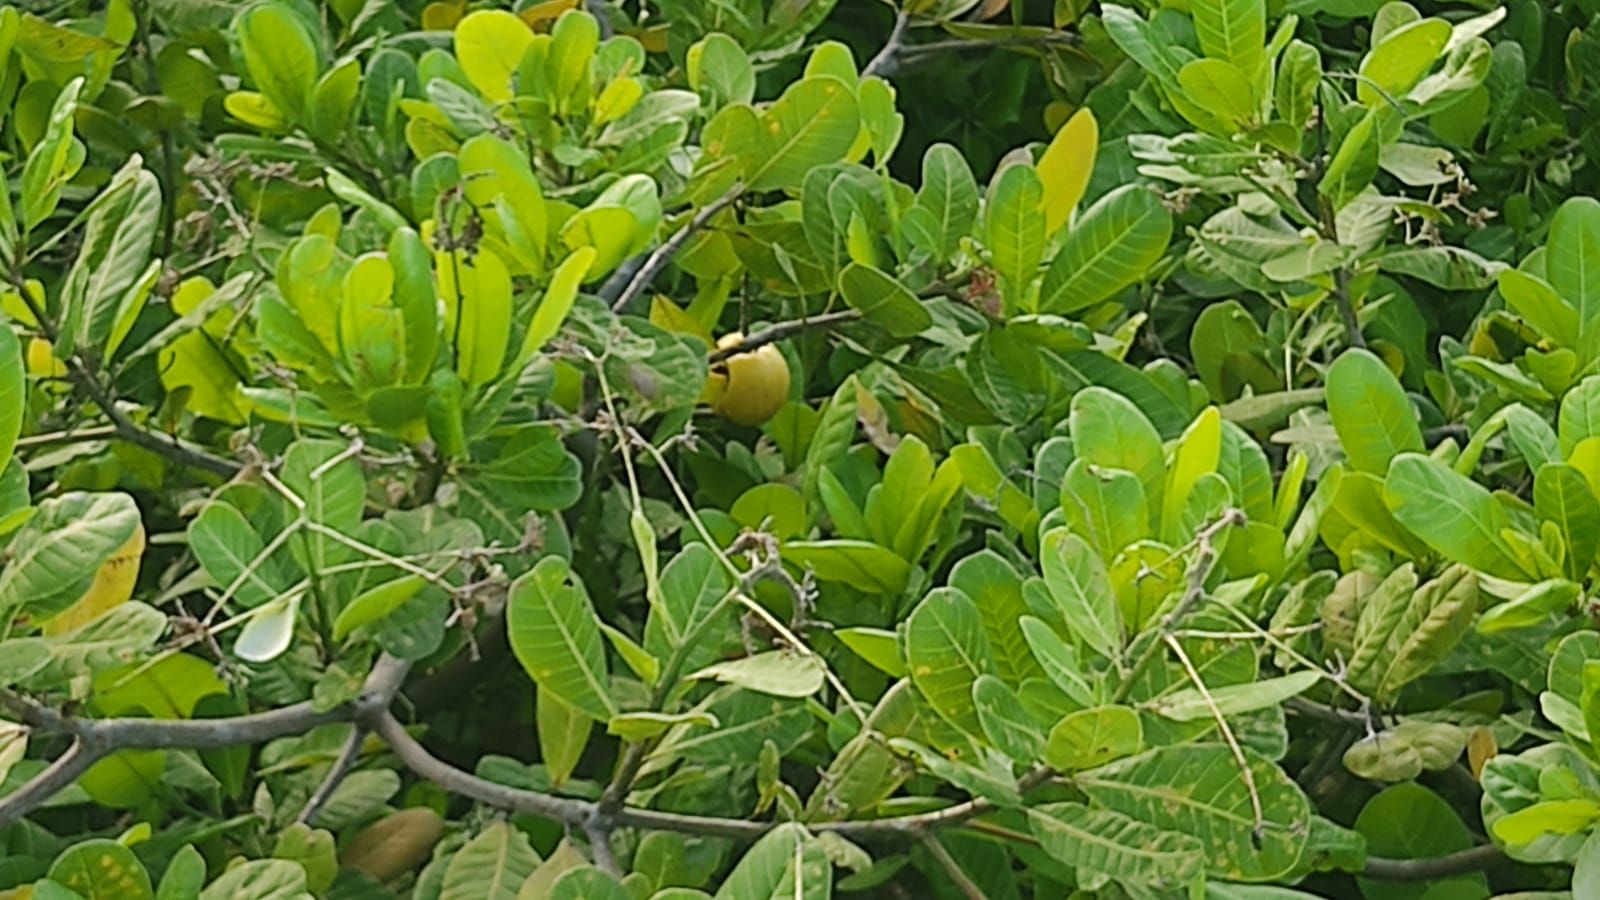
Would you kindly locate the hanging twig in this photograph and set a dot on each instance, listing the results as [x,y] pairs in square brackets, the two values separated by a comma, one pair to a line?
[958,876]
[657,260]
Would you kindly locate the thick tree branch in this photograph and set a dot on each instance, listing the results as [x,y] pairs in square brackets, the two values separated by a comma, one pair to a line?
[94,739]
[657,260]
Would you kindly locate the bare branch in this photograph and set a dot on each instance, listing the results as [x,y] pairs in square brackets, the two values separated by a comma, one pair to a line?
[883,63]
[958,876]
[774,333]
[1474,860]
[663,254]
[86,380]
[342,764]
[94,739]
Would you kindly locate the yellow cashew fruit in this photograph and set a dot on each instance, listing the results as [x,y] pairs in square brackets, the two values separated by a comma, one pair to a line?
[750,387]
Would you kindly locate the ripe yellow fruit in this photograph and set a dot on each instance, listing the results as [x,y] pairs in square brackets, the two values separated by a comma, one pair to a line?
[749,388]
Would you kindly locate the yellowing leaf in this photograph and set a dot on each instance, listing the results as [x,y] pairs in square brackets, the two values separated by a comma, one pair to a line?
[112,586]
[1065,167]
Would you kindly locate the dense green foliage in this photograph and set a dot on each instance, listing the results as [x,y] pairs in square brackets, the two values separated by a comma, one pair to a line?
[779,448]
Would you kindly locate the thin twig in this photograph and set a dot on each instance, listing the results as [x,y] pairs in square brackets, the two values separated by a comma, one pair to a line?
[94,739]
[774,333]
[1194,592]
[342,764]
[82,377]
[883,63]
[958,876]
[1260,825]
[663,254]
[1474,860]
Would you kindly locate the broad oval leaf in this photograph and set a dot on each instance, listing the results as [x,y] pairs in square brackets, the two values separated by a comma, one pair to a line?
[555,634]
[1109,248]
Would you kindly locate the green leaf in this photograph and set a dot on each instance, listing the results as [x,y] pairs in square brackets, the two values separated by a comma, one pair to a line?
[1110,247]
[1452,514]
[1406,751]
[491,866]
[328,480]
[280,57]
[1579,418]
[1109,843]
[1572,264]
[1013,231]
[587,883]
[875,645]
[556,302]
[694,588]
[114,254]
[1563,496]
[1234,31]
[947,203]
[13,384]
[555,634]
[1221,89]
[996,588]
[1058,659]
[375,603]
[1093,737]
[1532,607]
[184,876]
[1077,580]
[53,161]
[780,673]
[1408,821]
[1109,431]
[1189,704]
[1005,721]
[814,123]
[1370,411]
[883,300]
[259,879]
[1536,301]
[1399,61]
[1354,164]
[227,548]
[477,304]
[1299,73]
[946,651]
[786,862]
[862,564]
[563,735]
[1211,802]
[1436,618]
[102,869]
